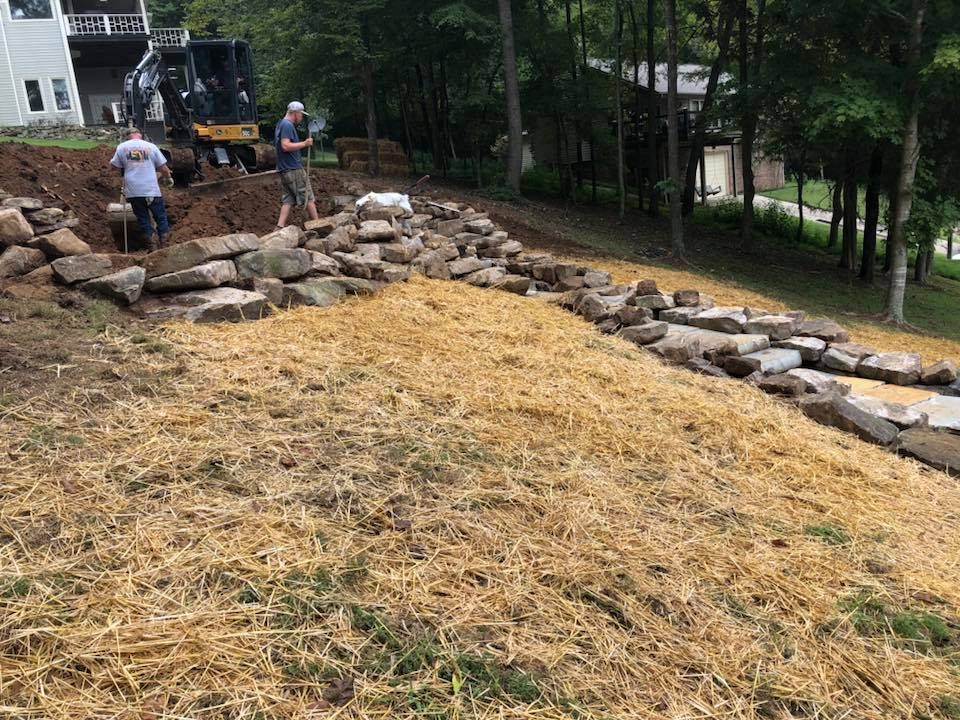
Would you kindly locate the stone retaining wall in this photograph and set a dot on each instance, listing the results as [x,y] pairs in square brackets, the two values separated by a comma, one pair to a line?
[890,399]
[59,132]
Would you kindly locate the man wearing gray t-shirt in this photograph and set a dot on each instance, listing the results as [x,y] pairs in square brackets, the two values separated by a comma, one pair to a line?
[139,162]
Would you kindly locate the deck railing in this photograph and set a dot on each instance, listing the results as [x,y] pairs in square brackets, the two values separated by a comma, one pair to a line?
[87,25]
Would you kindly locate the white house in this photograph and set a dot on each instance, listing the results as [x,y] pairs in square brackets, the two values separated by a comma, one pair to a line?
[63,61]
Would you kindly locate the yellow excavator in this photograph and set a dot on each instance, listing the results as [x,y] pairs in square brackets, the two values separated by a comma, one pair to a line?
[213,121]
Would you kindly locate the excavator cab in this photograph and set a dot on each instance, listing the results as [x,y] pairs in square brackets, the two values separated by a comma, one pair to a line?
[214,119]
[221,91]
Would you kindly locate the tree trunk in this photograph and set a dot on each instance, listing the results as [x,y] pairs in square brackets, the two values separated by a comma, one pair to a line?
[837,214]
[673,133]
[586,85]
[801,177]
[573,75]
[618,92]
[747,129]
[950,245]
[429,102]
[512,87]
[700,129]
[910,154]
[369,91]
[638,108]
[748,125]
[402,100]
[868,262]
[848,251]
[653,110]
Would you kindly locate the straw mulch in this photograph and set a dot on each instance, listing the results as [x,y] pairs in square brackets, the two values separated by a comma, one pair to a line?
[446,502]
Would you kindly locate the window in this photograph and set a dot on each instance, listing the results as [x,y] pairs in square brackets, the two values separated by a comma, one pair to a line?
[30,10]
[696,105]
[61,95]
[34,96]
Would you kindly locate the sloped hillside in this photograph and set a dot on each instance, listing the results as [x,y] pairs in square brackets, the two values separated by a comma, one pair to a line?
[450,502]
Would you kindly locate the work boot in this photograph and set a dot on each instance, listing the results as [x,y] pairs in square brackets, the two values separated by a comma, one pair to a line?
[151,244]
[164,240]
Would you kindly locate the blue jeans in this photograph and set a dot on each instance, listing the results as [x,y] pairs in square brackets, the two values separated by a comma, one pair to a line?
[143,210]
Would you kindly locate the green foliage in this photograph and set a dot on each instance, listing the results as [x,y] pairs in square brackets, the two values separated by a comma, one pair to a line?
[827,533]
[17,588]
[950,707]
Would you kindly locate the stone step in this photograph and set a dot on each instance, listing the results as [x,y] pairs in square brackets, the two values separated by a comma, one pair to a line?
[944,412]
[771,361]
[937,449]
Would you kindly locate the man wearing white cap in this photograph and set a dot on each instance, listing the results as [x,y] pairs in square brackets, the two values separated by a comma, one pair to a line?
[293,178]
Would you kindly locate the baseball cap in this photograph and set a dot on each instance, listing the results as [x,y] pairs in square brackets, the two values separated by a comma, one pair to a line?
[297,106]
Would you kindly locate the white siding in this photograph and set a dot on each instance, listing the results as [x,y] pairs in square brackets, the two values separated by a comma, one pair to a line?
[37,50]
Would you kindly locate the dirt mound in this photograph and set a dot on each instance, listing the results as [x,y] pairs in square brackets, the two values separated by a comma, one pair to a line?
[82,181]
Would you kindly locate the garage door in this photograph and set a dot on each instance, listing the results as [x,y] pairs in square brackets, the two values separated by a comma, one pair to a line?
[716,170]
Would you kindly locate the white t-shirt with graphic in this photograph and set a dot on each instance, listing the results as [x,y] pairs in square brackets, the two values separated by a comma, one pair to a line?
[139,160]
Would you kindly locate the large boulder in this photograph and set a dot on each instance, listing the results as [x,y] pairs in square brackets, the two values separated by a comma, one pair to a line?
[896,368]
[378,231]
[450,228]
[433,265]
[507,249]
[900,415]
[465,266]
[323,264]
[516,284]
[940,373]
[654,302]
[289,237]
[316,293]
[36,285]
[720,319]
[810,348]
[16,261]
[677,348]
[221,304]
[481,226]
[488,277]
[835,411]
[646,333]
[358,265]
[823,329]
[26,204]
[271,288]
[124,286]
[398,252]
[14,228]
[943,411]
[209,275]
[687,298]
[772,361]
[846,357]
[62,243]
[197,252]
[776,327]
[339,240]
[282,263]
[75,268]
[553,272]
[936,449]
[783,384]
[630,315]
[816,381]
[680,315]
[47,216]
[597,308]
[596,278]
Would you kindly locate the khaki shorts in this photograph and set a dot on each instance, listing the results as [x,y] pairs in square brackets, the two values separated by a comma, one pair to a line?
[296,187]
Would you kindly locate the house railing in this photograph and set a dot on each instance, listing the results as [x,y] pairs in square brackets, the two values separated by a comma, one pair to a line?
[169,37]
[87,25]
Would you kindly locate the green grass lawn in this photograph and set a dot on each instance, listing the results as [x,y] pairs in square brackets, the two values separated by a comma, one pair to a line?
[67,143]
[816,194]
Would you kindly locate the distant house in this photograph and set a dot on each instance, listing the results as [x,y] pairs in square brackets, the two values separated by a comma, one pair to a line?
[64,61]
[720,165]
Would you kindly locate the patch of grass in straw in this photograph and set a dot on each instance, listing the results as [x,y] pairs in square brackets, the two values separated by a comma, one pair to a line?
[479,509]
[827,533]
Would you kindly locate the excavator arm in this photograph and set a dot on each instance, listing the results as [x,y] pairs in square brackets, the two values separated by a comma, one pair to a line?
[142,84]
